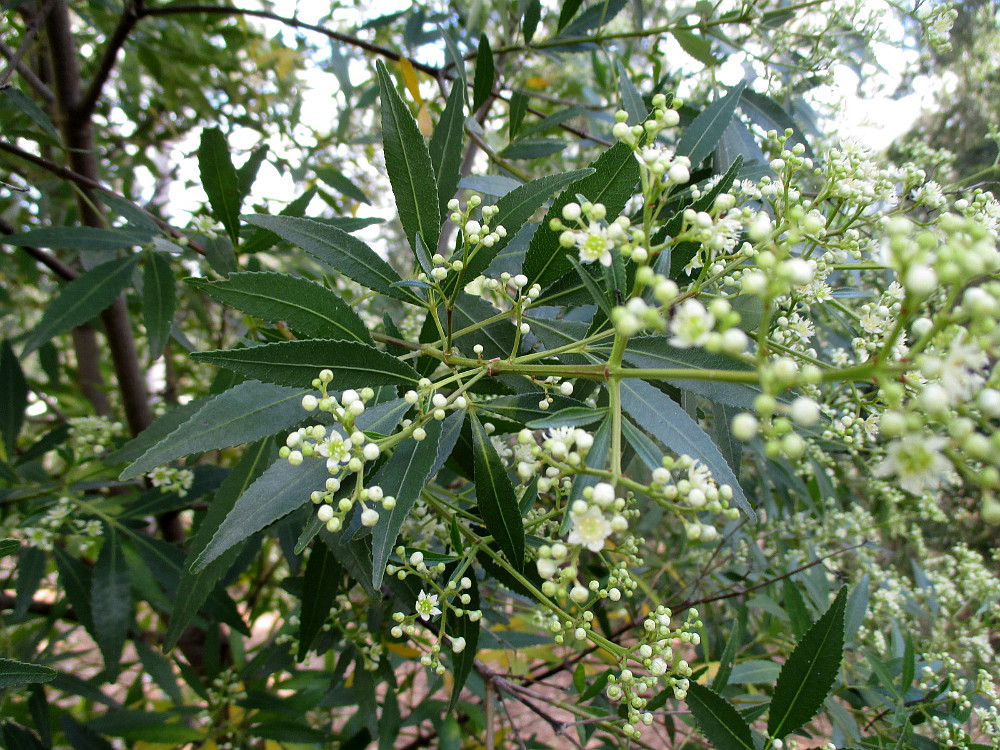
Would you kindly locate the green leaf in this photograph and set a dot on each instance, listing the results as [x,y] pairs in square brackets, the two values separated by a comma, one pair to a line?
[153,434]
[309,309]
[110,600]
[664,419]
[406,473]
[533,148]
[13,397]
[9,547]
[84,239]
[321,577]
[482,84]
[721,724]
[82,299]
[705,131]
[245,413]
[157,667]
[14,673]
[613,182]
[515,208]
[566,12]
[697,46]
[593,17]
[446,146]
[336,248]
[571,416]
[515,113]
[532,15]
[728,655]
[159,296]
[767,113]
[338,181]
[631,98]
[81,737]
[464,660]
[264,239]
[220,181]
[857,606]
[247,174]
[32,110]
[495,496]
[809,673]
[194,589]
[408,163]
[295,363]
[281,489]
[655,352]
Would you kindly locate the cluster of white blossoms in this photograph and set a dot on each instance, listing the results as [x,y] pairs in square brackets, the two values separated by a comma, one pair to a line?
[171,479]
[475,233]
[92,437]
[441,604]
[652,664]
[345,449]
[56,522]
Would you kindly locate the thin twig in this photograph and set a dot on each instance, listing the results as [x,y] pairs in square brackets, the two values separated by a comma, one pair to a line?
[130,17]
[14,56]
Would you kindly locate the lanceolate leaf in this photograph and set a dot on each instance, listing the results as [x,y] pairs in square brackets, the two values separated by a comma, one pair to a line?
[82,299]
[243,414]
[153,434]
[13,397]
[408,163]
[336,248]
[807,676]
[296,363]
[264,239]
[495,496]
[159,295]
[321,577]
[404,476]
[308,308]
[194,589]
[463,661]
[110,599]
[14,673]
[721,724]
[446,146]
[702,135]
[247,174]
[613,182]
[79,238]
[515,208]
[665,420]
[655,352]
[220,181]
[281,489]
[482,84]
[631,98]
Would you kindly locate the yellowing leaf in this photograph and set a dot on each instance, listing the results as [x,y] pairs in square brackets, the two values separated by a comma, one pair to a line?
[424,121]
[410,79]
[537,82]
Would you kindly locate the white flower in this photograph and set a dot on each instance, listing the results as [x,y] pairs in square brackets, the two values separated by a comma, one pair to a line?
[590,528]
[917,461]
[691,324]
[427,606]
[594,244]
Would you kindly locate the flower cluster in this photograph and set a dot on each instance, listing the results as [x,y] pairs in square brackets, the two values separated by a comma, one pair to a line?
[171,479]
[656,653]
[345,449]
[92,437]
[447,602]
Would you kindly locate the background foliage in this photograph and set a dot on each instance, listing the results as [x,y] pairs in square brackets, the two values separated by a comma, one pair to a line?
[207,205]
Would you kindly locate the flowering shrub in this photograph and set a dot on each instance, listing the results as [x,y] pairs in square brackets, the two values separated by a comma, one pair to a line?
[686,443]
